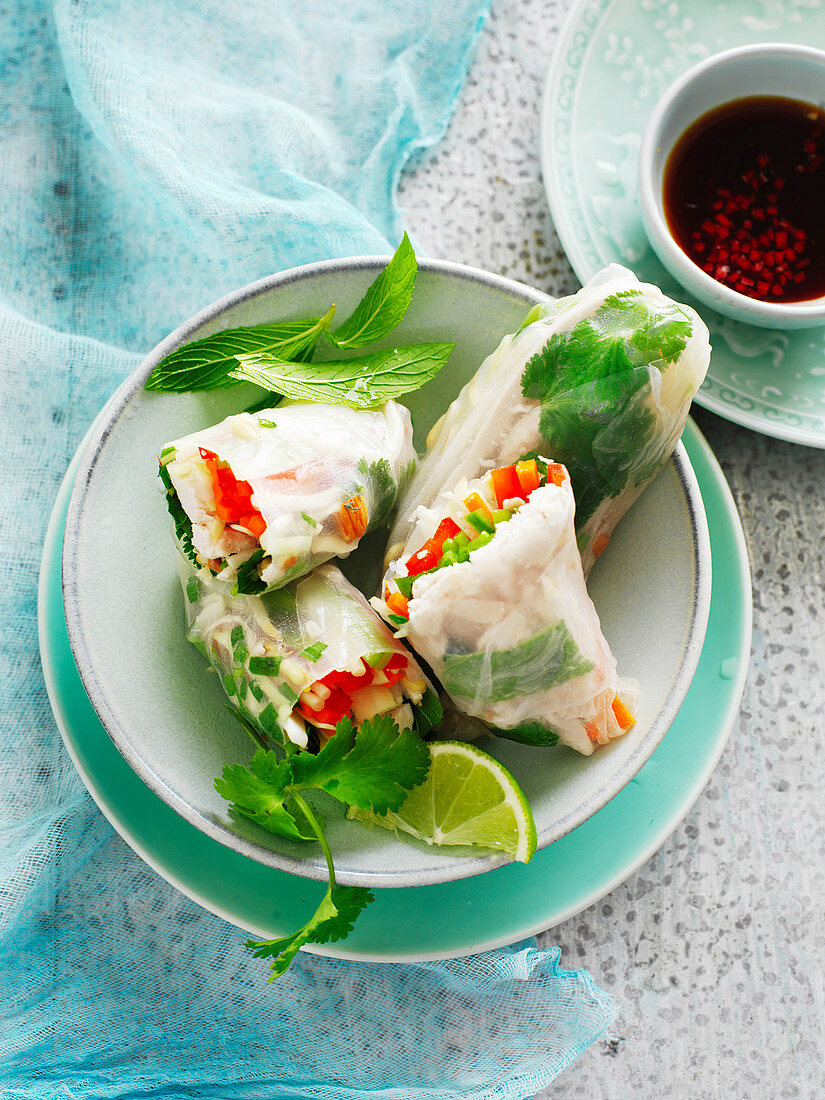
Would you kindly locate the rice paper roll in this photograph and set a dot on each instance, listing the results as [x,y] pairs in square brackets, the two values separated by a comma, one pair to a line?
[495,601]
[601,380]
[263,498]
[294,661]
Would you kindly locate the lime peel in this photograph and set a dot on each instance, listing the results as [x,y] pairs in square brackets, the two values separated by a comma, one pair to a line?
[468,798]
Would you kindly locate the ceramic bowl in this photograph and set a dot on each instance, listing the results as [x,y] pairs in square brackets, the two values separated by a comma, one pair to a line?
[766,69]
[152,690]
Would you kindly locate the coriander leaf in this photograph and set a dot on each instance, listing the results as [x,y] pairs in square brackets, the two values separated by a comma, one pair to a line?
[548,658]
[371,769]
[594,386]
[384,304]
[361,382]
[260,793]
[333,920]
[206,364]
[384,486]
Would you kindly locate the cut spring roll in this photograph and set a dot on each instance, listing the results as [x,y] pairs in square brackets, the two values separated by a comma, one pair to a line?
[263,498]
[305,656]
[494,599]
[601,380]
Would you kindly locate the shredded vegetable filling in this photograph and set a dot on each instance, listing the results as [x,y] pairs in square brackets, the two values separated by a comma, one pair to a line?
[510,487]
[361,695]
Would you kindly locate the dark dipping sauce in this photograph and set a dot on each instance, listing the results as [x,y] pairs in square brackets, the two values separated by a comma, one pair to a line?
[744,197]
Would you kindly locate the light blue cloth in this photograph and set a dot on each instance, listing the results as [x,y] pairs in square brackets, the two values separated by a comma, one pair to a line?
[154,155]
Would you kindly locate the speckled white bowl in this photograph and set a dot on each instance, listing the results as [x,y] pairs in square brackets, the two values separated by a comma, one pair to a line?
[769,68]
[152,689]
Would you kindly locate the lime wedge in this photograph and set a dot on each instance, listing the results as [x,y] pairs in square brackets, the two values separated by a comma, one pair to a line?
[467,798]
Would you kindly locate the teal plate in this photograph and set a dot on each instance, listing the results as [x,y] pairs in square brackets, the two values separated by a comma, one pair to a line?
[613,60]
[454,918]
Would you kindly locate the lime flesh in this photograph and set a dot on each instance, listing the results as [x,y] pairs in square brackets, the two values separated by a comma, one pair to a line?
[467,798]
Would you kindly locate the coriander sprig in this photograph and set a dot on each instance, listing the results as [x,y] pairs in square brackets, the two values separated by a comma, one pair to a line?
[372,768]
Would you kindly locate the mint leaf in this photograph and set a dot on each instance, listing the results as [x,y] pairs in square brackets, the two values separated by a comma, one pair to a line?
[362,382]
[181,521]
[247,579]
[207,364]
[529,733]
[549,658]
[384,304]
[428,714]
[372,769]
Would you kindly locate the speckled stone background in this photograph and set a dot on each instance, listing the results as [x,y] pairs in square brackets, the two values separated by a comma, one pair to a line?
[716,947]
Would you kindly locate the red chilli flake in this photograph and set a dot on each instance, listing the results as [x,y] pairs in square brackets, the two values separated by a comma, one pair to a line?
[717,192]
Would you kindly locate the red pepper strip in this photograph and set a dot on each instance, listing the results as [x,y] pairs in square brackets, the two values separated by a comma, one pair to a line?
[349,681]
[429,555]
[447,529]
[397,663]
[233,498]
[395,669]
[422,560]
[506,483]
[334,709]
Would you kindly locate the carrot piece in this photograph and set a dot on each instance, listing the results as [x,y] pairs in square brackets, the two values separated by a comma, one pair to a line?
[622,714]
[474,503]
[556,473]
[398,604]
[592,730]
[600,544]
[527,473]
[353,517]
[506,484]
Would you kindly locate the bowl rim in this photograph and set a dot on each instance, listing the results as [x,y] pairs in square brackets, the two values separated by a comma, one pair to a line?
[452,870]
[809,312]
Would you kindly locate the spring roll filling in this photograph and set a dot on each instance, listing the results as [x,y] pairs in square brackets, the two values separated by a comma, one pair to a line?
[474,512]
[486,657]
[269,498]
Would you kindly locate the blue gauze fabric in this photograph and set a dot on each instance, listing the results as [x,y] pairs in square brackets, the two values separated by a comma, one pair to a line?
[155,155]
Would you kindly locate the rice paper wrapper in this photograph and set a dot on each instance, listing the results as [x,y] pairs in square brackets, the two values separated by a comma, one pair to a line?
[268,649]
[600,381]
[513,635]
[321,477]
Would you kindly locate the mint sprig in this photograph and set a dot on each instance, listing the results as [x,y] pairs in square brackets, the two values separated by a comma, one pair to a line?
[278,357]
[371,768]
